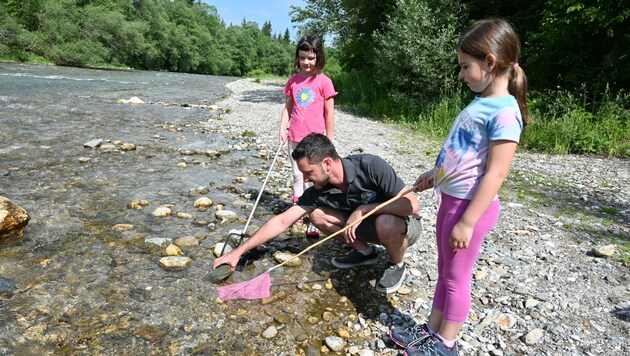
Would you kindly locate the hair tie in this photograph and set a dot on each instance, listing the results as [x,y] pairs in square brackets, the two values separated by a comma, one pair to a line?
[515,65]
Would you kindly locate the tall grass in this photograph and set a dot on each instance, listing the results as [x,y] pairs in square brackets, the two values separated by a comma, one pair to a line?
[563,122]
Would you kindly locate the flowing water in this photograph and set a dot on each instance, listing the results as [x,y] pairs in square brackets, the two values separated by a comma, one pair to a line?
[77,278]
[83,287]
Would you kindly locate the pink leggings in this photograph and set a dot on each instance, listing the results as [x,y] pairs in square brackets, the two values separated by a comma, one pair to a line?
[452,292]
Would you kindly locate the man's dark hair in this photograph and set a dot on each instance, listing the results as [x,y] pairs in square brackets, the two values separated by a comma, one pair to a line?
[315,147]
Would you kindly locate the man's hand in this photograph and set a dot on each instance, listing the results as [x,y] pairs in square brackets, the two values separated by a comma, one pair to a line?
[230,258]
[350,234]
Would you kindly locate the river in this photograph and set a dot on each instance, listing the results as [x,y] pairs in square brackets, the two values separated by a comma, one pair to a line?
[81,286]
[86,273]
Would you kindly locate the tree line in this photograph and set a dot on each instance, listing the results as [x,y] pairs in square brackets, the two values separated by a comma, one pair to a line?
[407,45]
[172,35]
[391,59]
[396,60]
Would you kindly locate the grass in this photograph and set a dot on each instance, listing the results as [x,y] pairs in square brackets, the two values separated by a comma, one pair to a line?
[562,122]
[259,76]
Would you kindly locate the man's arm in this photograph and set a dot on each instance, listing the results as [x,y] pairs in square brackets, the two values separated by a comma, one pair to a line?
[272,228]
[406,205]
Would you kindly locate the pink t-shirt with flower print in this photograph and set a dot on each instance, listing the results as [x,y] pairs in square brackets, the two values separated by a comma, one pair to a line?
[309,95]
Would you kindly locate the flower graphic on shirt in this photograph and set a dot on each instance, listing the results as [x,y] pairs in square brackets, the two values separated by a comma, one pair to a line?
[304,96]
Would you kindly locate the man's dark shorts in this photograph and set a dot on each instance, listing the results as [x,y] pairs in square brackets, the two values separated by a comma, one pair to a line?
[367,229]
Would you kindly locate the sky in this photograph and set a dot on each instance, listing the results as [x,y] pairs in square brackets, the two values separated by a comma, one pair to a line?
[260,11]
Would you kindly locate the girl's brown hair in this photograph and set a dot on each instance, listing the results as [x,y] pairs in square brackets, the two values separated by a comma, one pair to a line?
[497,37]
[313,44]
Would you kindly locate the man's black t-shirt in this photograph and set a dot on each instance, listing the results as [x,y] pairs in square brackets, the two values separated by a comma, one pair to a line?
[369,179]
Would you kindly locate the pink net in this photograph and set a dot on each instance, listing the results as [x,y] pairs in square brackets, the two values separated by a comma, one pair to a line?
[256,288]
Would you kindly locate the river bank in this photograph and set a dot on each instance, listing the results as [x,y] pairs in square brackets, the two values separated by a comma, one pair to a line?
[538,288]
[85,279]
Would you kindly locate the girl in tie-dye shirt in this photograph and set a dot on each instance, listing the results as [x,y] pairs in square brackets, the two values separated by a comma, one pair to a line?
[468,173]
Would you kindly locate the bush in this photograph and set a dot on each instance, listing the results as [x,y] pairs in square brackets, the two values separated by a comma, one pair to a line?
[416,62]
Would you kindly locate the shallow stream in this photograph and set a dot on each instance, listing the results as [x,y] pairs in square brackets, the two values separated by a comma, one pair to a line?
[84,287]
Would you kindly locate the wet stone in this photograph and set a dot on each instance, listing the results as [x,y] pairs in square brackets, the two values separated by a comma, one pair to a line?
[282,318]
[6,287]
[219,274]
[175,262]
[335,343]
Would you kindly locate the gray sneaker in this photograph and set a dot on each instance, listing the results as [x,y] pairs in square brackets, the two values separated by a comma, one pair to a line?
[405,336]
[391,279]
[355,258]
[430,346]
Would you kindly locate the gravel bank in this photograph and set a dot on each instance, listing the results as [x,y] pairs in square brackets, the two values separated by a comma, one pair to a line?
[538,287]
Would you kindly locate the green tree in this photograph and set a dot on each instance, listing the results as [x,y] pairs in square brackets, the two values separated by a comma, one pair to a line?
[422,66]
[287,36]
[13,36]
[353,23]
[567,43]
[266,29]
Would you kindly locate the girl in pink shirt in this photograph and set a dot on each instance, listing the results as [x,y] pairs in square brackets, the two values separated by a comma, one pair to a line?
[310,102]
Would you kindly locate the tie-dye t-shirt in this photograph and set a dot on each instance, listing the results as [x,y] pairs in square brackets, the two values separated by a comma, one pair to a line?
[463,159]
[309,95]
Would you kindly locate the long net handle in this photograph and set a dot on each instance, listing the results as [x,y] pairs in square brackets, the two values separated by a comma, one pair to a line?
[262,189]
[260,193]
[377,208]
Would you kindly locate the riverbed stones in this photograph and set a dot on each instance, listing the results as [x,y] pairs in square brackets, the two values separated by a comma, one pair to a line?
[270,332]
[186,216]
[334,343]
[175,262]
[122,227]
[173,250]
[157,241]
[162,211]
[533,336]
[219,247]
[13,221]
[282,257]
[187,242]
[219,274]
[203,203]
[226,216]
[138,204]
[94,143]
[126,147]
[7,287]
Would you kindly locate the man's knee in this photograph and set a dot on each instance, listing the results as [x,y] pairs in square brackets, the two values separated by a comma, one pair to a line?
[390,227]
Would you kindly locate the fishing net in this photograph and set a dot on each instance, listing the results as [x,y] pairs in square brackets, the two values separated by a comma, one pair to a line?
[255,288]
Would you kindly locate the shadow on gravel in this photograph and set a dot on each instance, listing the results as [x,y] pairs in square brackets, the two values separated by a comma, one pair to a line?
[623,314]
[355,283]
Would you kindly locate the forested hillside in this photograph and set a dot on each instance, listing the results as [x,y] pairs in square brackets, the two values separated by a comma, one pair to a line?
[391,59]
[181,36]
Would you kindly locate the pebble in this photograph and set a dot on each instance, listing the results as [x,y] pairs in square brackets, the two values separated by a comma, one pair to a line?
[270,332]
[175,262]
[334,343]
[7,287]
[162,211]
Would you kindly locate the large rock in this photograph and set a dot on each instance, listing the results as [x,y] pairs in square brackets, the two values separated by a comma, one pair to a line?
[13,221]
